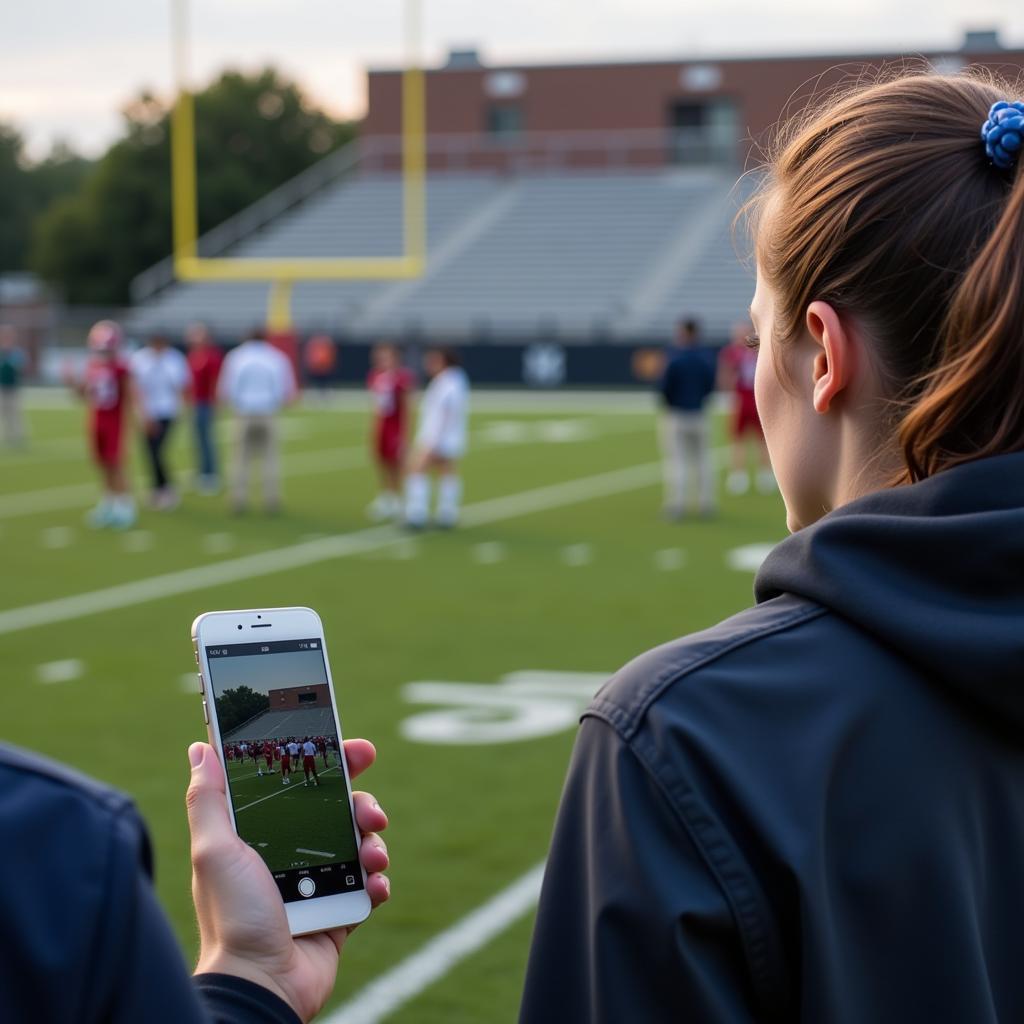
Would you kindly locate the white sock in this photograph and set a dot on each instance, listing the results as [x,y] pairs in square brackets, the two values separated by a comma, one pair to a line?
[417,498]
[449,494]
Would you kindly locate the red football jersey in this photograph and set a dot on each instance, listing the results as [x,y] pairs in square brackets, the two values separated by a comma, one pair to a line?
[205,365]
[742,360]
[106,384]
[390,389]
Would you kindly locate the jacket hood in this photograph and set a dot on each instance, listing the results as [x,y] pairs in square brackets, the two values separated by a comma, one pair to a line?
[934,570]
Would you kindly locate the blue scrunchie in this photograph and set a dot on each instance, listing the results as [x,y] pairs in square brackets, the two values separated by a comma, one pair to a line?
[1003,133]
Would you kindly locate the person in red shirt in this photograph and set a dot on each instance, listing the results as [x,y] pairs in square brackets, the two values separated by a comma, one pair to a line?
[737,365]
[390,384]
[268,756]
[286,762]
[104,385]
[320,358]
[204,360]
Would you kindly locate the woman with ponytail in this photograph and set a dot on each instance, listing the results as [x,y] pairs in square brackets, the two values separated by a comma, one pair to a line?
[814,811]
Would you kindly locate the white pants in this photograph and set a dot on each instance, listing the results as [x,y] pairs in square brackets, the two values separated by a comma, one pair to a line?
[686,455]
[257,439]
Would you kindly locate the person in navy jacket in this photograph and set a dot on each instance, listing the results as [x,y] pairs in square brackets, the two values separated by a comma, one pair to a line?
[686,384]
[814,811]
[87,940]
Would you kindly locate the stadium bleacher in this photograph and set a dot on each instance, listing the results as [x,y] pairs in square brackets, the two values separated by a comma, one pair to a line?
[275,724]
[612,253]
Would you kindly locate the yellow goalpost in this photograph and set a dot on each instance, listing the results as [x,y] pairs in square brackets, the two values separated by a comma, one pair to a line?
[282,273]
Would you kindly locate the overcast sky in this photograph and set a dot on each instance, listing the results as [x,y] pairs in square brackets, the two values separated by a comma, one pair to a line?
[68,66]
[265,672]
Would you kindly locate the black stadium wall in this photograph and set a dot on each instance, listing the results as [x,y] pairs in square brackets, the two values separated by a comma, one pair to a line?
[537,364]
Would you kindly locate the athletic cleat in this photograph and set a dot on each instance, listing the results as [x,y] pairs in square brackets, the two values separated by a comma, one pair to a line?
[101,515]
[122,517]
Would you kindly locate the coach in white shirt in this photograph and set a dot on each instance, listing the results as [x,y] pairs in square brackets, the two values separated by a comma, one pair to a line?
[160,378]
[256,381]
[440,442]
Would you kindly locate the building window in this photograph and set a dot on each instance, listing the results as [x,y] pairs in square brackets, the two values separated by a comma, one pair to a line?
[502,85]
[504,120]
[700,77]
[703,132]
[307,698]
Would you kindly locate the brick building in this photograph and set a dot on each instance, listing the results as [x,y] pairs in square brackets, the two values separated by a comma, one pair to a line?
[292,698]
[693,111]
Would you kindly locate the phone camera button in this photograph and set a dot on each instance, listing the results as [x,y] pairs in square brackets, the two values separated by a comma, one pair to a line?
[307,886]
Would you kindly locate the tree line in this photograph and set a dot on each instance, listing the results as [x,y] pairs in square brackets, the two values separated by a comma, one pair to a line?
[88,227]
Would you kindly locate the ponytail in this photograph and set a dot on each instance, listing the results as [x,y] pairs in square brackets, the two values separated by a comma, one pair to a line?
[971,404]
[885,204]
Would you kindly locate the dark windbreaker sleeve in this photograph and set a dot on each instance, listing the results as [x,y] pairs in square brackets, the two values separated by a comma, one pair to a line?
[631,926]
[665,383]
[145,974]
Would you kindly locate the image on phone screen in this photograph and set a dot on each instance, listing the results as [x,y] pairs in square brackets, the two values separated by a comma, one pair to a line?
[283,759]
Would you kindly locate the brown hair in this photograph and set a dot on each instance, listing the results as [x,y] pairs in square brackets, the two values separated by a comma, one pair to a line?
[885,205]
[449,356]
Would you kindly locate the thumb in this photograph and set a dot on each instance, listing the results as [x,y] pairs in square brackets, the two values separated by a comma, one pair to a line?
[205,800]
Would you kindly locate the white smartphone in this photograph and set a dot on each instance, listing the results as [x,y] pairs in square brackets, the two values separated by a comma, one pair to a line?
[270,707]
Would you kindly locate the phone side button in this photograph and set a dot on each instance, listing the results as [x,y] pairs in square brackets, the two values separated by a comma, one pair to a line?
[206,714]
[199,676]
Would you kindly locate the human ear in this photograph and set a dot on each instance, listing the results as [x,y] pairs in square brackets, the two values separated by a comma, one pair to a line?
[832,367]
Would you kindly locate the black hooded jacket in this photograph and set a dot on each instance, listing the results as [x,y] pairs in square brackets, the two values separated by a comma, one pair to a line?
[813,811]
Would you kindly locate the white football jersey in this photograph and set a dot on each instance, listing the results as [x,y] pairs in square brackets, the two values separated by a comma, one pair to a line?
[444,414]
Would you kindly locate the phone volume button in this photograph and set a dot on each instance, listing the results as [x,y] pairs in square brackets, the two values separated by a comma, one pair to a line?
[202,688]
[206,713]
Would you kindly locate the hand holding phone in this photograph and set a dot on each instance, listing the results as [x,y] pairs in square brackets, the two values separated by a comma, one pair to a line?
[269,702]
[244,930]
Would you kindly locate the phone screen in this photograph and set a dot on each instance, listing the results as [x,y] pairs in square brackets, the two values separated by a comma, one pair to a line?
[283,758]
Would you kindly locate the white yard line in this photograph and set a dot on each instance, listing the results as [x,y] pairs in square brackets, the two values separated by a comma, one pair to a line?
[279,792]
[324,460]
[315,853]
[187,581]
[396,987]
[356,399]
[65,671]
[52,499]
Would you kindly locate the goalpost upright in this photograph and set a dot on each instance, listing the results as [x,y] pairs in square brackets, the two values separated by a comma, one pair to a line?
[281,274]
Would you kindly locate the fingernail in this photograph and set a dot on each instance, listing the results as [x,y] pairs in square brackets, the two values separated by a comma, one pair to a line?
[195,755]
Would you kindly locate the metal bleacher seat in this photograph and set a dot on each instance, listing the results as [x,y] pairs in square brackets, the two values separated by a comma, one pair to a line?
[620,253]
[278,724]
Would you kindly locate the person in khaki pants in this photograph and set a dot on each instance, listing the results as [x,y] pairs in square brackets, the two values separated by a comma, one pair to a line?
[685,386]
[256,381]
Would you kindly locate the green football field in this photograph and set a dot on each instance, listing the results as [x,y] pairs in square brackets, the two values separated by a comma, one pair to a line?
[465,656]
[292,825]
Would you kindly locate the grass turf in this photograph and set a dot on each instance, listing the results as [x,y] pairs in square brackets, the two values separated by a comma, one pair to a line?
[577,588]
[294,825]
